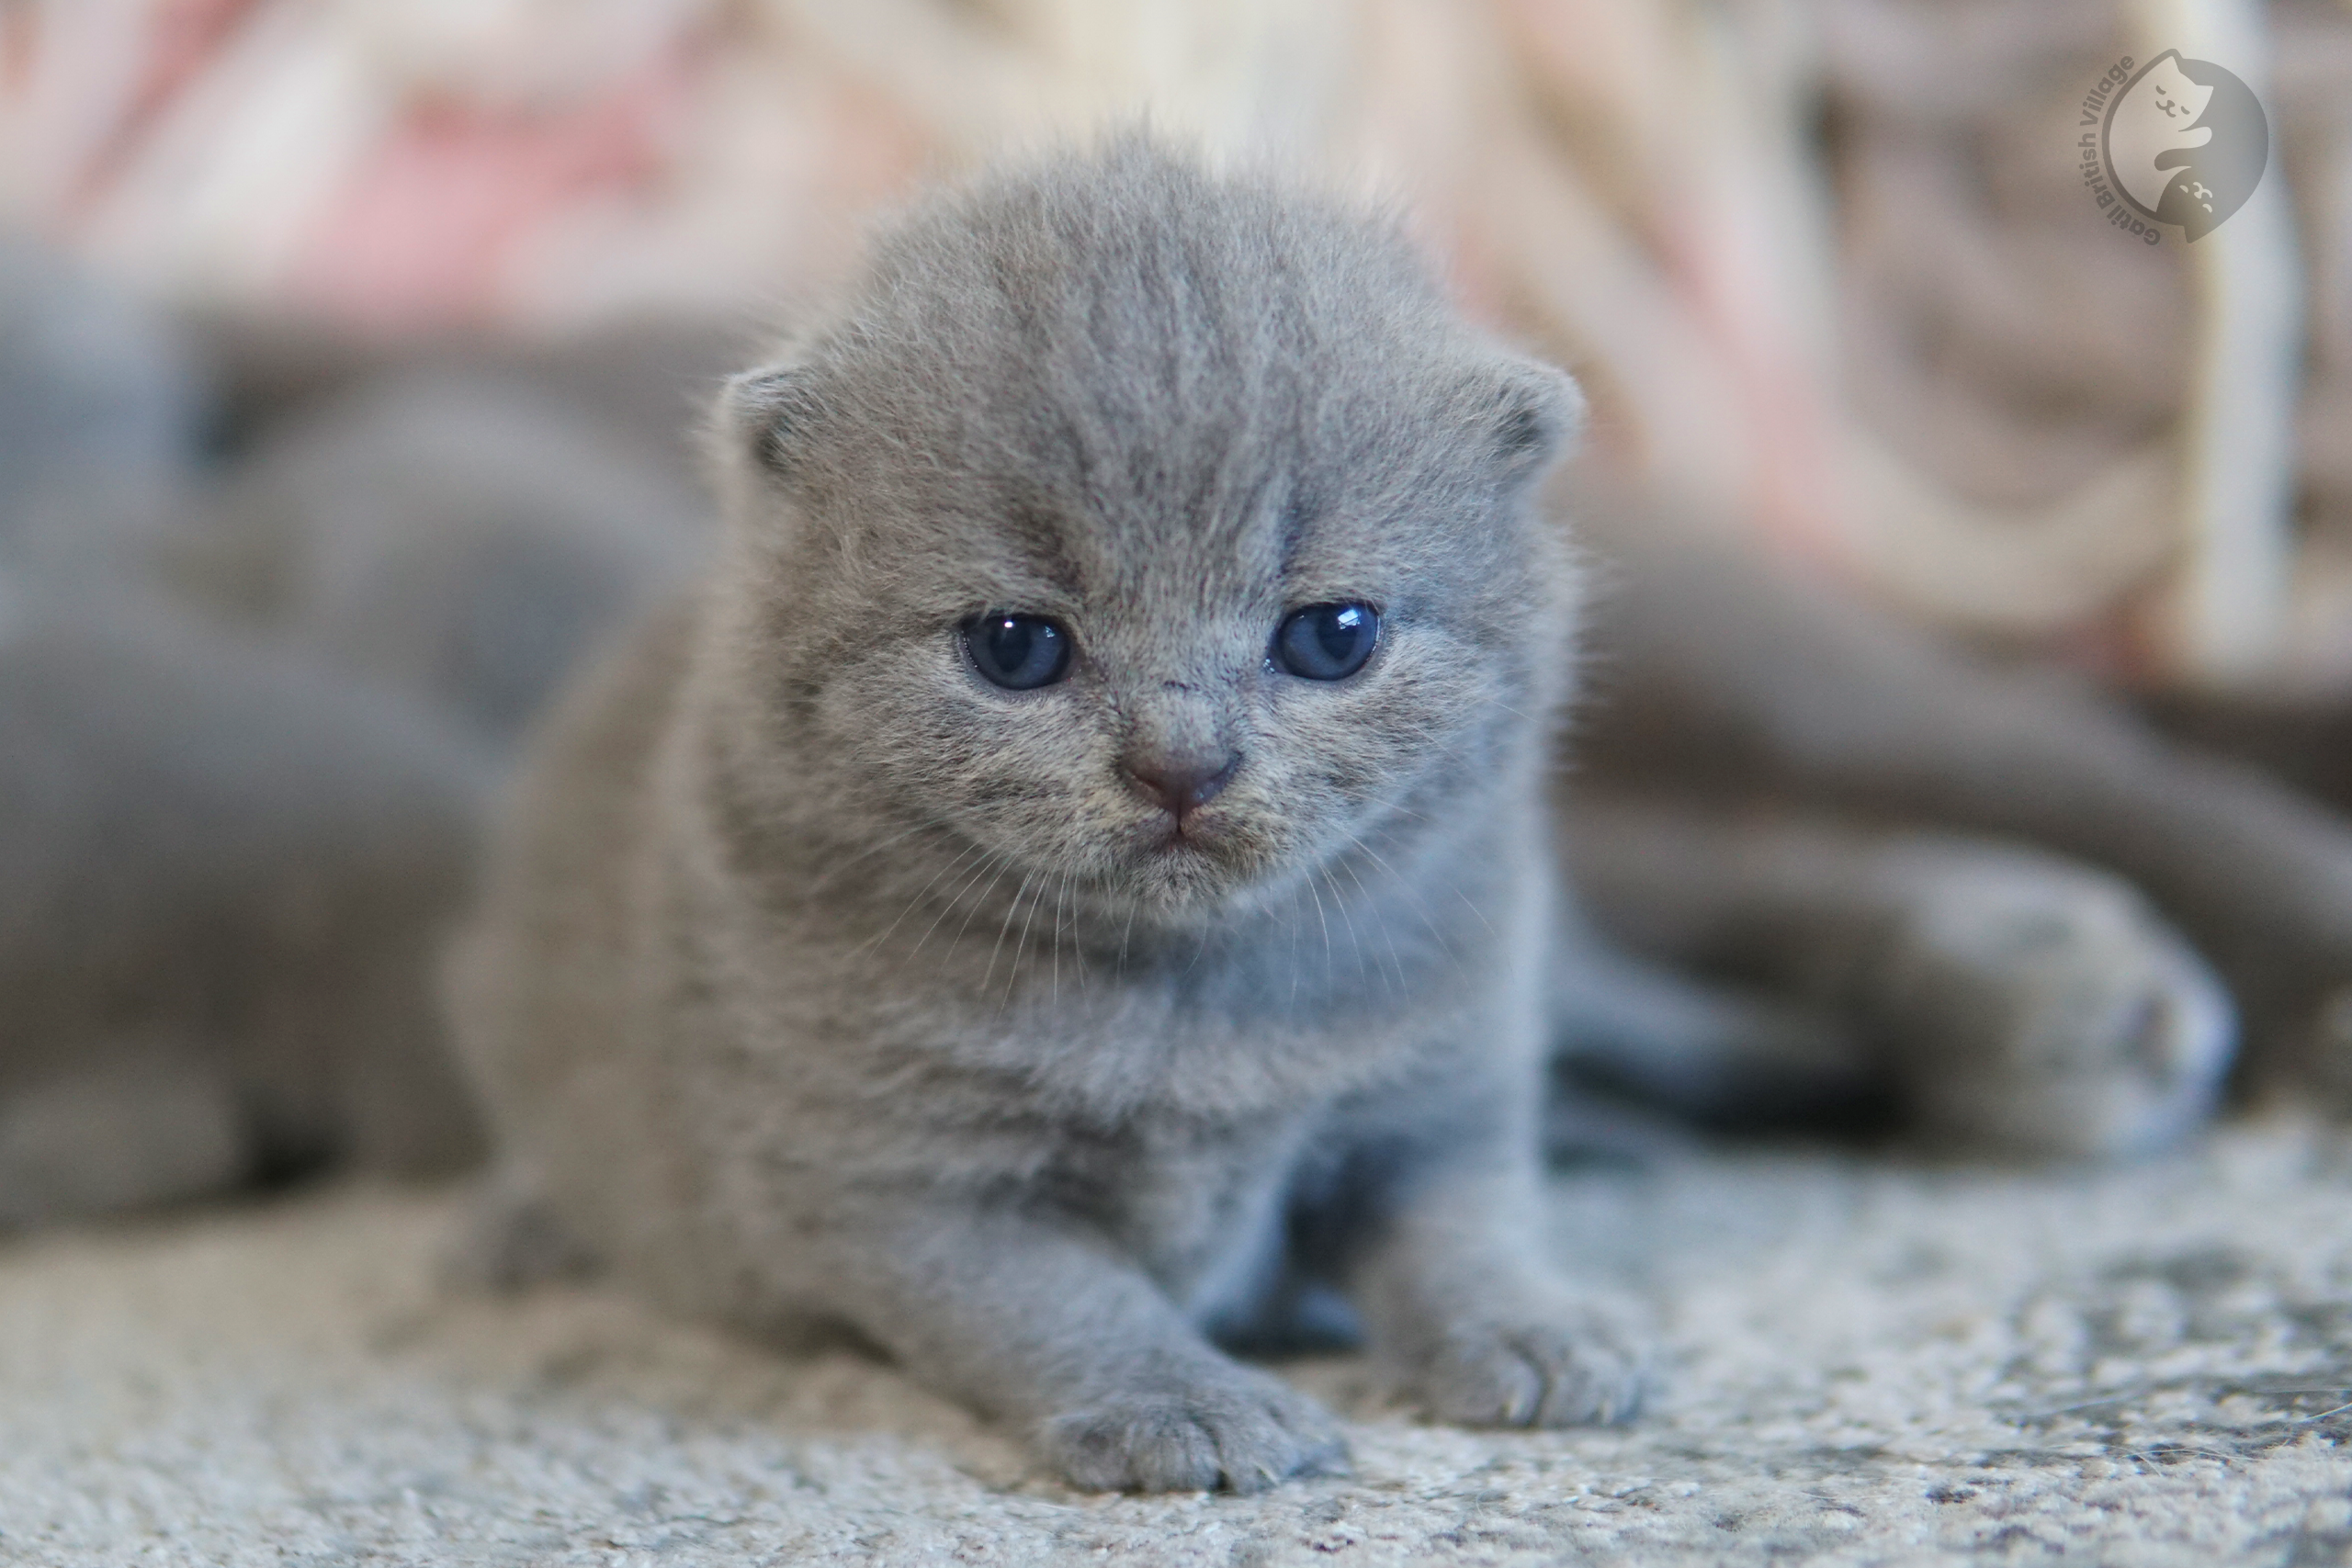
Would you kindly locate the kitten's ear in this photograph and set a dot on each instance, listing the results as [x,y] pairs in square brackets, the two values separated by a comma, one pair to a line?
[1537,415]
[762,413]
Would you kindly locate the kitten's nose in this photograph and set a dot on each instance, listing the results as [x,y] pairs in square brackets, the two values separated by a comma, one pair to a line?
[1181,784]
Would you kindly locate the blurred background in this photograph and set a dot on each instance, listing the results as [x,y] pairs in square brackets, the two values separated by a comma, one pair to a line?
[1828,266]
[348,351]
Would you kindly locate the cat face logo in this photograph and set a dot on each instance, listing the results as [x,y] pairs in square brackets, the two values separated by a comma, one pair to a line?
[2185,142]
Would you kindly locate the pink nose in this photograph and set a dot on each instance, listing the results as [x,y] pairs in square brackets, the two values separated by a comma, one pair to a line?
[1181,787]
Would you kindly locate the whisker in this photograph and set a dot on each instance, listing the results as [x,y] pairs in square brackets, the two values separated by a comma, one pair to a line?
[1325,921]
[1060,888]
[1021,949]
[1480,913]
[1515,713]
[948,907]
[1003,926]
[1421,909]
[875,942]
[1370,912]
[1294,965]
[835,869]
[1003,865]
[1353,941]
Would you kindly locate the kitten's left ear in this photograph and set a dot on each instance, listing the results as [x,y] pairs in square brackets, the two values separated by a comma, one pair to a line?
[764,412]
[1538,414]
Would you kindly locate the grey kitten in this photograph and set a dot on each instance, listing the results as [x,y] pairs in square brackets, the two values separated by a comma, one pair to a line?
[224,870]
[1074,886]
[223,874]
[467,535]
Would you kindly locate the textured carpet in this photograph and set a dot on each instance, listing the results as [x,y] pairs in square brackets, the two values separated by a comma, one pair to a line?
[1871,1362]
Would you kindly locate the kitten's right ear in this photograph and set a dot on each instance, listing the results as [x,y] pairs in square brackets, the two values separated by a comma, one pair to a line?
[1538,414]
[764,412]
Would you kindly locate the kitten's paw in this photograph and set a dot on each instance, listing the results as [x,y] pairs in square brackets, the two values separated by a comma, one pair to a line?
[1572,1365]
[1240,1429]
[2044,1008]
[508,1238]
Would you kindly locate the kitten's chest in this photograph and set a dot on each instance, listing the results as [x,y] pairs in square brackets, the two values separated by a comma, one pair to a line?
[1274,1024]
[1200,1209]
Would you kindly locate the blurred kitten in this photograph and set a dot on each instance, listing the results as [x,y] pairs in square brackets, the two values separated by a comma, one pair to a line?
[467,535]
[228,851]
[222,876]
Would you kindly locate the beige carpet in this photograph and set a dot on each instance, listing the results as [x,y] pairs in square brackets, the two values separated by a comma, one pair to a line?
[1873,1363]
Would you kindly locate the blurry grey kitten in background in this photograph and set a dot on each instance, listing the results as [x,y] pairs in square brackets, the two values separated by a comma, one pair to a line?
[261,658]
[1075,883]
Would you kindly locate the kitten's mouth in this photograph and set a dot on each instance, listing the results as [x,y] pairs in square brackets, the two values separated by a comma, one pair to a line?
[1178,849]
[1178,879]
[1200,851]
[1212,854]
[1191,835]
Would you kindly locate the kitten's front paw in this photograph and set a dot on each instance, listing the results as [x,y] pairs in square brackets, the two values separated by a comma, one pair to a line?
[1571,1365]
[509,1237]
[1240,1429]
[2045,1009]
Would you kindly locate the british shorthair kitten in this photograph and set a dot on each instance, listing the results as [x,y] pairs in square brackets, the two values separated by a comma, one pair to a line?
[1073,888]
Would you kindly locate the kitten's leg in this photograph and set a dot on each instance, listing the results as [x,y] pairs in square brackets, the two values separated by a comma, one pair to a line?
[1729,676]
[1710,1054]
[2019,1000]
[510,1238]
[1041,1323]
[1434,1222]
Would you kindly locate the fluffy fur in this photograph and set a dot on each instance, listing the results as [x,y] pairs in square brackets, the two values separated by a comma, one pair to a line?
[229,856]
[462,534]
[821,983]
[1779,740]
[222,877]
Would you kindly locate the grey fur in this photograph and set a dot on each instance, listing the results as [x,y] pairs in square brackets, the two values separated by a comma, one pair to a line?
[221,878]
[225,855]
[100,413]
[229,856]
[1791,732]
[818,982]
[465,536]
[2007,999]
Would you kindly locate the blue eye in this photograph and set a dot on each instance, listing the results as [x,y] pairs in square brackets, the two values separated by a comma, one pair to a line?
[1017,653]
[1326,642]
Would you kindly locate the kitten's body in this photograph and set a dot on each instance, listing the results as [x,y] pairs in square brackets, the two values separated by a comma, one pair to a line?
[224,876]
[821,982]
[863,1036]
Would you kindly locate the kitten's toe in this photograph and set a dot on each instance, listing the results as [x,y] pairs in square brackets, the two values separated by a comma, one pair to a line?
[508,1238]
[2046,1010]
[1570,1366]
[1243,1432]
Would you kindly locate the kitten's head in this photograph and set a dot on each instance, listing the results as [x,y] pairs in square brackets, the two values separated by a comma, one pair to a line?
[1152,535]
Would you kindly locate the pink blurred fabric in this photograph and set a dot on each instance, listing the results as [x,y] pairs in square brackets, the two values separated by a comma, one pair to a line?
[423,232]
